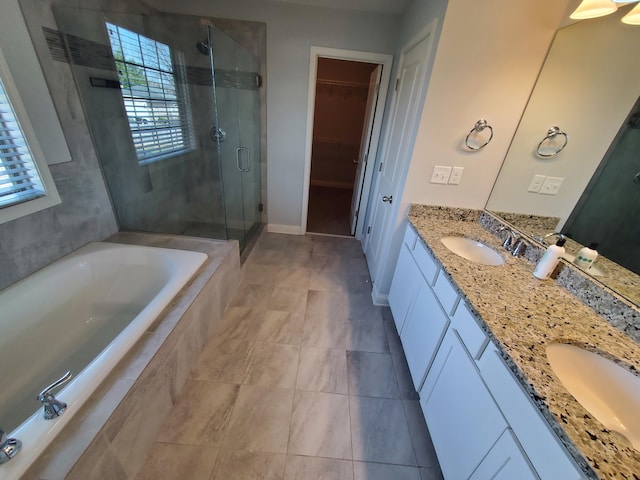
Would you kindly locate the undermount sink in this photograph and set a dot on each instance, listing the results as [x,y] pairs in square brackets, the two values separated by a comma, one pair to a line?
[594,270]
[607,390]
[472,250]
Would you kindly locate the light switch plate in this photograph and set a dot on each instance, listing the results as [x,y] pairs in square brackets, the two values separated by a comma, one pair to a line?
[440,174]
[551,185]
[456,175]
[536,183]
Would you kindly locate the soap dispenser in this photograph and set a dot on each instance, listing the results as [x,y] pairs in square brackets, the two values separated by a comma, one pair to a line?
[550,259]
[586,256]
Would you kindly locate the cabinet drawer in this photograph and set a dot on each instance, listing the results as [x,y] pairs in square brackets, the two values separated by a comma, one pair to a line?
[547,454]
[410,237]
[425,262]
[472,335]
[445,293]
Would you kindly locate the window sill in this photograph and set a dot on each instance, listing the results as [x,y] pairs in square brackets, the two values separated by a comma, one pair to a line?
[166,156]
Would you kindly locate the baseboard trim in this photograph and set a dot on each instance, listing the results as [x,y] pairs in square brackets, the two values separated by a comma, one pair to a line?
[286,229]
[379,299]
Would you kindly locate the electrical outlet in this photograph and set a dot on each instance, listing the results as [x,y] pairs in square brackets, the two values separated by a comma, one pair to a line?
[456,175]
[440,174]
[551,185]
[536,183]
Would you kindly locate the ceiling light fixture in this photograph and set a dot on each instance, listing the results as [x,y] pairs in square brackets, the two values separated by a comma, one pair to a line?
[593,9]
[633,17]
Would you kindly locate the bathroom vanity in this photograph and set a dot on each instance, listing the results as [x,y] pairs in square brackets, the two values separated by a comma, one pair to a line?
[475,340]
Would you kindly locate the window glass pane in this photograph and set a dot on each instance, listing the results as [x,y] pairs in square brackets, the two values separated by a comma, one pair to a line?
[19,178]
[155,110]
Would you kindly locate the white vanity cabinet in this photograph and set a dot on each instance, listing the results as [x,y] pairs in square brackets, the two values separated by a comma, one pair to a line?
[423,329]
[418,315]
[505,461]
[464,421]
[482,422]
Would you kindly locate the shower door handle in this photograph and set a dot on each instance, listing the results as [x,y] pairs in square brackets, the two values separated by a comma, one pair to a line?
[238,150]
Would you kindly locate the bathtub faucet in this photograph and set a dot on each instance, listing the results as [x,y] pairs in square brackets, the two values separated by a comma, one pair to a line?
[9,447]
[53,408]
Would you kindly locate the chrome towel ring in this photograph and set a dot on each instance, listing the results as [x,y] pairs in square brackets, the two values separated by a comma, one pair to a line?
[552,148]
[479,127]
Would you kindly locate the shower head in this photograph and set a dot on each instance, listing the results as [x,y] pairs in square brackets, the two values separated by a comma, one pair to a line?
[203,47]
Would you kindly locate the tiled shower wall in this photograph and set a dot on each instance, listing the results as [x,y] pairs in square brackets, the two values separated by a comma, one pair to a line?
[85,214]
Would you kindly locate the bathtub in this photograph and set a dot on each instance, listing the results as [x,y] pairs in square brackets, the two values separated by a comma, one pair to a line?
[81,313]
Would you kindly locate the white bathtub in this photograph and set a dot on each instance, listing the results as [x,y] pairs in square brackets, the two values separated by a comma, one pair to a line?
[81,313]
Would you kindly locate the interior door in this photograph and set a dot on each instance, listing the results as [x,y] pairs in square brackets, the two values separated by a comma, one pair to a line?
[365,143]
[398,149]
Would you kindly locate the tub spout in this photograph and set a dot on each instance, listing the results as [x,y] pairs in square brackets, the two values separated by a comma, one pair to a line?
[9,447]
[52,407]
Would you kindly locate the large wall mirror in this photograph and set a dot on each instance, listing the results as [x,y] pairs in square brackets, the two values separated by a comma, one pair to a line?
[589,87]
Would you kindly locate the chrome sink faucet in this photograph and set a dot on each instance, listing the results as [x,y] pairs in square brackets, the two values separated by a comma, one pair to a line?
[514,242]
[9,447]
[512,237]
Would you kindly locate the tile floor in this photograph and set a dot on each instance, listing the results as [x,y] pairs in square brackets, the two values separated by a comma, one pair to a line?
[302,379]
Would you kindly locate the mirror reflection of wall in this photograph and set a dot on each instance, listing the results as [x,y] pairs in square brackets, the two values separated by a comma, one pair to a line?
[609,209]
[587,86]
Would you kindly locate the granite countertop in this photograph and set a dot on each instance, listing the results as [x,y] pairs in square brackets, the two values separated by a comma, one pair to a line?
[522,315]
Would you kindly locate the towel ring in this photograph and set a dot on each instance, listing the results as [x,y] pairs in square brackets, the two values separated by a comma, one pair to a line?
[552,133]
[479,127]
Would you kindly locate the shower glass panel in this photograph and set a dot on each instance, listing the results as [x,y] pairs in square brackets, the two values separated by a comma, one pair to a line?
[156,115]
[238,104]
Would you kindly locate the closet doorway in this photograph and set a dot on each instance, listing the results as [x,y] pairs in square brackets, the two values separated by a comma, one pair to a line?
[346,115]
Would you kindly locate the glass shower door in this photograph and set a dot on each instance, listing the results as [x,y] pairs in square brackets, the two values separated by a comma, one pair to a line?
[237,97]
[146,87]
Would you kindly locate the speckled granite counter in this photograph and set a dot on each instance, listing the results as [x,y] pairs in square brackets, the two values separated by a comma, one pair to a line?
[522,315]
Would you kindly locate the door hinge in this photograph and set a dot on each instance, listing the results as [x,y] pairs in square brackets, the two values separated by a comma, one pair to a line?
[380,168]
[368,230]
[366,158]
[377,89]
[260,207]
[357,213]
[397,84]
[258,81]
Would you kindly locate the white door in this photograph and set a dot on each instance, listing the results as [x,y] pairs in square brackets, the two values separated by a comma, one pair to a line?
[365,143]
[410,84]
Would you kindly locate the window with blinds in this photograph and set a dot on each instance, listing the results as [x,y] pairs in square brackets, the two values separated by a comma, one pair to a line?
[19,178]
[157,111]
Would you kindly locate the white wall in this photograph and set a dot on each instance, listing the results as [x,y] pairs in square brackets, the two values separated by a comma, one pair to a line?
[587,87]
[486,65]
[291,31]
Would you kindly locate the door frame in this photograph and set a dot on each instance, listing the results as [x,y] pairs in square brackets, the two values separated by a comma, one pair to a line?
[386,61]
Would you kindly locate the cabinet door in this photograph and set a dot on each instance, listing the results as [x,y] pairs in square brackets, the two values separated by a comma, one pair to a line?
[462,417]
[547,454]
[422,332]
[406,281]
[505,461]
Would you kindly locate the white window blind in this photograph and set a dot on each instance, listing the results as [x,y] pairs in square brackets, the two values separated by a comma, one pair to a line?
[19,178]
[156,110]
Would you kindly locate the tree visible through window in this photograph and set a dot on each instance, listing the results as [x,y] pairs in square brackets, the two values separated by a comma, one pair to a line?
[156,110]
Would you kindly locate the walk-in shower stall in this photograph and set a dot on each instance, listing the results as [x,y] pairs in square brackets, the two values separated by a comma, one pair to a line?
[173,104]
